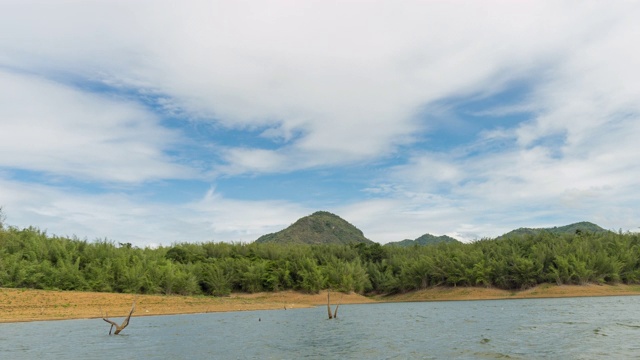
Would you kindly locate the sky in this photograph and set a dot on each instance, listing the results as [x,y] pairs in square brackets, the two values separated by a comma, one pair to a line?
[160,122]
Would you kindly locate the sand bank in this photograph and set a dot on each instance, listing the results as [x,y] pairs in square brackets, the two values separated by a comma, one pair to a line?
[33,305]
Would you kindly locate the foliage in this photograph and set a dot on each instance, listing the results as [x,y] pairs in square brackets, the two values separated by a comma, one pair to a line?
[321,227]
[30,258]
[576,228]
[426,239]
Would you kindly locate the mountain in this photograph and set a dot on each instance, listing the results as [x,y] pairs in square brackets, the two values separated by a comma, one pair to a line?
[426,239]
[579,227]
[321,227]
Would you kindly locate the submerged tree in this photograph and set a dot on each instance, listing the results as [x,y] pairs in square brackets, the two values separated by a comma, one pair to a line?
[124,324]
[335,313]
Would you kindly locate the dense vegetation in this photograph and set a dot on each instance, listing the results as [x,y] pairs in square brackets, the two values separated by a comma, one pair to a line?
[575,228]
[29,258]
[321,227]
[426,239]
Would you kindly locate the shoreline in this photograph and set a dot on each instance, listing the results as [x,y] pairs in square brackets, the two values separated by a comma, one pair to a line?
[23,305]
[543,291]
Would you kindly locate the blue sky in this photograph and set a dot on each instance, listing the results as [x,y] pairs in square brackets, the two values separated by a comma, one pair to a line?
[153,122]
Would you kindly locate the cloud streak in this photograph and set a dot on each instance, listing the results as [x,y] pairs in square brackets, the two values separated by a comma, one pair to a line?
[51,128]
[321,86]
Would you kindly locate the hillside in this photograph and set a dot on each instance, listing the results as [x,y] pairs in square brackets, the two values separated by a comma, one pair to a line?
[30,258]
[579,227]
[426,239]
[320,227]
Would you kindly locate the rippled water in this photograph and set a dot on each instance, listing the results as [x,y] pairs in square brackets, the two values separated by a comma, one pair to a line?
[576,328]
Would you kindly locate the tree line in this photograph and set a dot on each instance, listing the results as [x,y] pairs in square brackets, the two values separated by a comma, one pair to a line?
[30,258]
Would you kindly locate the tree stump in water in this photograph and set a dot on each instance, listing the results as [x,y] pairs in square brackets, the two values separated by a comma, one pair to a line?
[124,324]
[335,313]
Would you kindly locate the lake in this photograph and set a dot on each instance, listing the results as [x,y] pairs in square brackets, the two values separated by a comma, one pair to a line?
[569,328]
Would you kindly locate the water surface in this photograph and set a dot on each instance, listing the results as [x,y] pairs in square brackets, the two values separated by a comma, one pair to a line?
[570,328]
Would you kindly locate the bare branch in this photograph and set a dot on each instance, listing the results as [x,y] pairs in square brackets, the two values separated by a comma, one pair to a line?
[124,324]
[335,312]
[329,305]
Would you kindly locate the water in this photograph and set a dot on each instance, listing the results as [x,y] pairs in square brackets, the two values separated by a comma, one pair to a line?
[571,328]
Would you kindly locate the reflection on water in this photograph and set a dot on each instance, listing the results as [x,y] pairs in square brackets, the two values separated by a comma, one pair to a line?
[578,328]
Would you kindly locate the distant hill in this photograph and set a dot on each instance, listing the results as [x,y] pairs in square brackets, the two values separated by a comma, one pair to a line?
[321,227]
[583,227]
[426,239]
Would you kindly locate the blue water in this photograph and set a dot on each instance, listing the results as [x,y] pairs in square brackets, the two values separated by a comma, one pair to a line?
[570,328]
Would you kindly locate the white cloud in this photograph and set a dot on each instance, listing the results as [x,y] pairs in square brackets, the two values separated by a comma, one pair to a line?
[349,77]
[334,83]
[131,218]
[51,128]
[523,187]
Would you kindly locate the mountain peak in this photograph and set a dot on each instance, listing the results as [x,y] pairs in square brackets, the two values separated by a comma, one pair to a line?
[579,227]
[321,227]
[426,239]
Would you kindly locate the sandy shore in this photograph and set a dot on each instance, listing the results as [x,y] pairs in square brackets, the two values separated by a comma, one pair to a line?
[33,305]
[542,291]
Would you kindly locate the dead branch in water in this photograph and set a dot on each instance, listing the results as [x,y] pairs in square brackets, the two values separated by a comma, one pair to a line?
[335,313]
[124,324]
[329,305]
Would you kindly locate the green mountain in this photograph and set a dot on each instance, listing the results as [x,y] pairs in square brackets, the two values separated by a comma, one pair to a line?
[426,239]
[321,227]
[579,227]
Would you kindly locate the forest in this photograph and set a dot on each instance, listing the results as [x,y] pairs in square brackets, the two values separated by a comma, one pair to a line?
[30,258]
